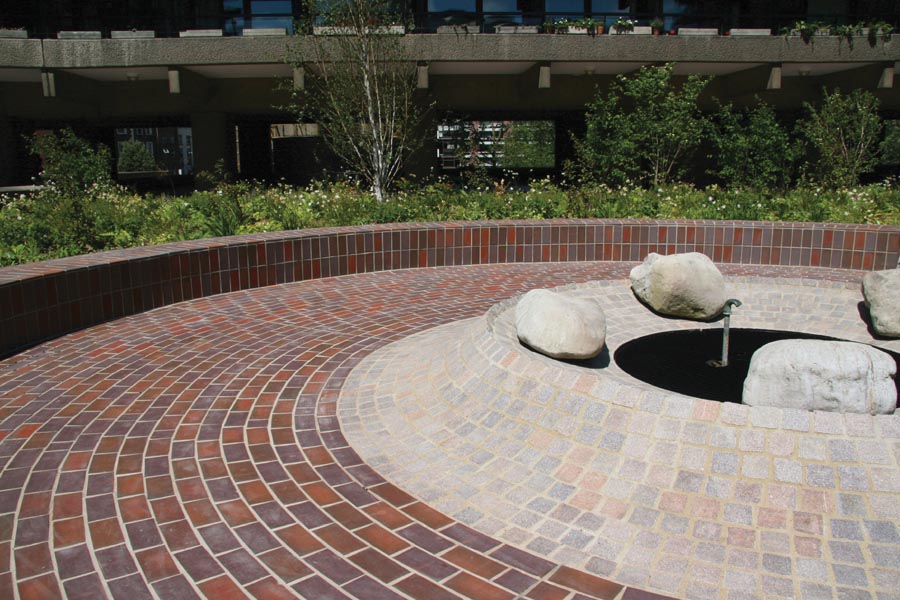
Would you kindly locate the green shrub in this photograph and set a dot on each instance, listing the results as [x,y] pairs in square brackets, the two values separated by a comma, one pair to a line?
[752,149]
[844,132]
[645,129]
[71,164]
[135,157]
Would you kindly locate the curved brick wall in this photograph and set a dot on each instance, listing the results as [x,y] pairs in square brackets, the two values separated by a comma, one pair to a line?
[44,300]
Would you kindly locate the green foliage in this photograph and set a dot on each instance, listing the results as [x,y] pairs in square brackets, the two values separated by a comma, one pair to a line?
[134,156]
[879,29]
[844,132]
[361,90]
[752,149]
[623,25]
[71,164]
[806,29]
[645,129]
[890,145]
[34,227]
[529,145]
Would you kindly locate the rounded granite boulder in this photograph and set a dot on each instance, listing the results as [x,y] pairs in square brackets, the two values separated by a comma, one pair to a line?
[560,325]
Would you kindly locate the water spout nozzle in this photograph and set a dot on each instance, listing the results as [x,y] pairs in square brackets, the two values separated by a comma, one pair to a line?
[728,304]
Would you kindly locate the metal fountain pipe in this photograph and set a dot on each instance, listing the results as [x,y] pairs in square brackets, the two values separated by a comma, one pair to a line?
[726,312]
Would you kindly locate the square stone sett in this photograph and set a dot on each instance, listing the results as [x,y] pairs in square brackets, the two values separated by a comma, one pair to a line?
[693,457]
[853,478]
[828,422]
[854,594]
[884,556]
[874,452]
[765,416]
[778,587]
[795,420]
[812,569]
[725,463]
[820,476]
[846,529]
[886,506]
[846,552]
[847,575]
[883,532]
[755,467]
[808,547]
[734,414]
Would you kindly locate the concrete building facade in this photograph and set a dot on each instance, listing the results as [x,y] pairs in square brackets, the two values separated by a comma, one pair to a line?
[218,67]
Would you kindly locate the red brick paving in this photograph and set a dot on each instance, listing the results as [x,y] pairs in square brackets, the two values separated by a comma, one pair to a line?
[225,406]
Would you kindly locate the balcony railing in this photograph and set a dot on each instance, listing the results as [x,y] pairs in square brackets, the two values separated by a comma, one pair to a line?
[235,24]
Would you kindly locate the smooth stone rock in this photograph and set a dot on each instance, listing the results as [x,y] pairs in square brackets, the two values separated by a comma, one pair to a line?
[881,291]
[843,377]
[680,285]
[560,325]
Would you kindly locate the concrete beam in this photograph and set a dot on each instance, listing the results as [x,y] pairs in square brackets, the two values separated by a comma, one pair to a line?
[21,53]
[430,48]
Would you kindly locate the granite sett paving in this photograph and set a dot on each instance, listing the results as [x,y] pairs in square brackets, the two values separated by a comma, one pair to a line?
[197,450]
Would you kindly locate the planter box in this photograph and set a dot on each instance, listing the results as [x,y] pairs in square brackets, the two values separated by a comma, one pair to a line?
[193,33]
[638,30]
[78,35]
[264,31]
[339,30]
[132,35]
[458,29]
[697,31]
[18,34]
[749,32]
[516,29]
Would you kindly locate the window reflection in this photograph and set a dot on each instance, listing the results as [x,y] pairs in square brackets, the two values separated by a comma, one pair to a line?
[564,9]
[451,6]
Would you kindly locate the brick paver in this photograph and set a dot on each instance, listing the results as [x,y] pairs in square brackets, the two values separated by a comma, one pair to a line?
[197,451]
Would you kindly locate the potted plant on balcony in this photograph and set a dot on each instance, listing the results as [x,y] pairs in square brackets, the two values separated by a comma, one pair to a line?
[623,25]
[879,29]
[656,26]
[590,25]
[805,29]
[13,32]
[845,32]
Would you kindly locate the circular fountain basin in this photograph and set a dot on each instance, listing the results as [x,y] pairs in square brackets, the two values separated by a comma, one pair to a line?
[591,467]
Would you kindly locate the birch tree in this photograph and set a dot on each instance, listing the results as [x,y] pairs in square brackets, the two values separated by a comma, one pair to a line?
[360,87]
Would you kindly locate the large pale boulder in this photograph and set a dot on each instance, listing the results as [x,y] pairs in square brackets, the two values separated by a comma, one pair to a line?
[881,291]
[822,375]
[560,325]
[681,285]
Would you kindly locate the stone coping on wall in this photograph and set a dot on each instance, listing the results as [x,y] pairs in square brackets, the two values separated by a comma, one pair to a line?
[43,300]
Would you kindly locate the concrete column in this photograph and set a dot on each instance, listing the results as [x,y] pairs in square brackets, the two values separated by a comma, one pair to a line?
[213,140]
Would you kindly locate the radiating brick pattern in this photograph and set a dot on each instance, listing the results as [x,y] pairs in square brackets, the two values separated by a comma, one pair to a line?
[42,300]
[194,451]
